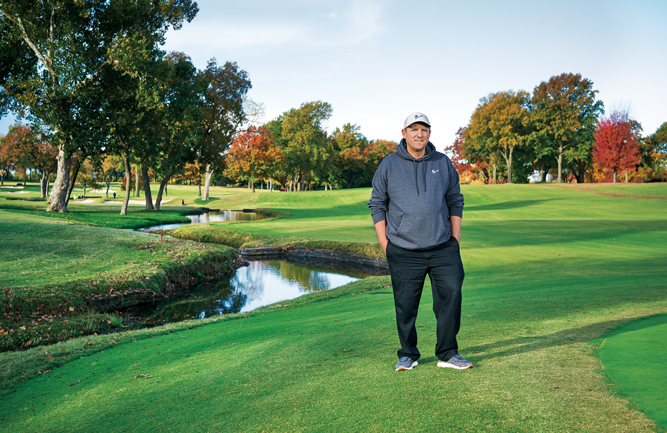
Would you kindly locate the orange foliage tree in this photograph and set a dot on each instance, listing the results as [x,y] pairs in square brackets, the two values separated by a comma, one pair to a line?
[252,156]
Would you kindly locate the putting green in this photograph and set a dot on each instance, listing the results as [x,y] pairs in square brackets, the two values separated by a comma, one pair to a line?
[634,358]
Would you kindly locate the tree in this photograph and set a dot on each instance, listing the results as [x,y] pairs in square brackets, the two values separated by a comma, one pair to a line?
[348,159]
[564,115]
[112,167]
[617,143]
[501,123]
[223,112]
[307,144]
[41,81]
[251,156]
[33,151]
[89,175]
[468,171]
[179,128]
[8,158]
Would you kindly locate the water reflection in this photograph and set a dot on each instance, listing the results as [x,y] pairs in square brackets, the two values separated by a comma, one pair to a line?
[259,284]
[207,217]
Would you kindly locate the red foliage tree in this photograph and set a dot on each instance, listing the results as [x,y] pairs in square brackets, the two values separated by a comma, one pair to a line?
[466,166]
[617,143]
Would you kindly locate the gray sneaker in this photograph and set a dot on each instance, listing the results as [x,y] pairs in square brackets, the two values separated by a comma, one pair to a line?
[405,363]
[456,362]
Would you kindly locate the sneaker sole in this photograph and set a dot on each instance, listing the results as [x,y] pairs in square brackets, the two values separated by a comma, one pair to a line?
[448,365]
[403,368]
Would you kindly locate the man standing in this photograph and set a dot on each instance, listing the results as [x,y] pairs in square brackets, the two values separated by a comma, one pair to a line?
[417,208]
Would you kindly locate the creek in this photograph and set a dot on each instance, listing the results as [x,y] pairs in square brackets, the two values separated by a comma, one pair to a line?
[211,216]
[258,284]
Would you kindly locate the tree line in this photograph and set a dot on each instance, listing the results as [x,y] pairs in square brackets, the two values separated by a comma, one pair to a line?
[92,81]
[295,151]
[560,128]
[103,100]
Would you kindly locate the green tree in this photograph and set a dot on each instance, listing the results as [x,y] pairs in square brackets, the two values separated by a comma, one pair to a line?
[42,81]
[307,145]
[349,158]
[564,115]
[222,113]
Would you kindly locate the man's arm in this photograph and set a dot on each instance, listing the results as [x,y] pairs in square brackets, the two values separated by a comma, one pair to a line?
[381,229]
[456,227]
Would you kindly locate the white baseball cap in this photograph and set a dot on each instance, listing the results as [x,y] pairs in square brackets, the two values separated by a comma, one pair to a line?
[416,117]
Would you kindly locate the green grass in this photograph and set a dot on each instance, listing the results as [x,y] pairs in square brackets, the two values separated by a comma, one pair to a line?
[53,274]
[634,358]
[548,270]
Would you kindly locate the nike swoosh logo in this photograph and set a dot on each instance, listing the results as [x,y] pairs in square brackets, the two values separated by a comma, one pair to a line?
[435,171]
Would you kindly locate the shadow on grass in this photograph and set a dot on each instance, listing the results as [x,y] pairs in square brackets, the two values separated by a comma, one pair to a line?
[522,345]
[546,232]
[507,205]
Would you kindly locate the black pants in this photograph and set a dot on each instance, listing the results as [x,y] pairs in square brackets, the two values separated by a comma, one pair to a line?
[408,271]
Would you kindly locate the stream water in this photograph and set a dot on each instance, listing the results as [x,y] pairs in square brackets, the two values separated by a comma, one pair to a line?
[207,217]
[259,284]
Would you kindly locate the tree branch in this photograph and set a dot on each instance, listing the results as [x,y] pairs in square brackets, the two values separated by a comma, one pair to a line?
[45,61]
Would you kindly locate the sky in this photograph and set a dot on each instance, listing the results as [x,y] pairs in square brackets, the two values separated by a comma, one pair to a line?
[377,61]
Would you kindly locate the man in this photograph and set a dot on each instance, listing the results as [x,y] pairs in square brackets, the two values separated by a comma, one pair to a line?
[417,208]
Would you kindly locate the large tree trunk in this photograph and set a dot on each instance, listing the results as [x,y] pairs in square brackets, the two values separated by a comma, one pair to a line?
[128,183]
[508,161]
[58,198]
[543,173]
[626,176]
[137,170]
[147,188]
[74,171]
[614,176]
[108,181]
[495,173]
[207,180]
[163,187]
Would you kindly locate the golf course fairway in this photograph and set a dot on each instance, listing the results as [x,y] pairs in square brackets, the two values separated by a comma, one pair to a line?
[551,273]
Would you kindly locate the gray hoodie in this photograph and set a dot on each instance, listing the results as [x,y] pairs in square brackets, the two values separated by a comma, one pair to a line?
[416,197]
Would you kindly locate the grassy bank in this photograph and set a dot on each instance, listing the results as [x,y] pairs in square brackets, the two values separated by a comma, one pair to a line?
[220,234]
[67,279]
[550,273]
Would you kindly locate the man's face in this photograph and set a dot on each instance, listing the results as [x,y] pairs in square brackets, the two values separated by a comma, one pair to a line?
[416,136]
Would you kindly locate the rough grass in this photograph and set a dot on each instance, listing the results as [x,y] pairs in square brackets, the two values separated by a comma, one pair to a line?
[547,271]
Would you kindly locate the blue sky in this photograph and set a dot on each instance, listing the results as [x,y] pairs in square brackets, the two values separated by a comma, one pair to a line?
[377,61]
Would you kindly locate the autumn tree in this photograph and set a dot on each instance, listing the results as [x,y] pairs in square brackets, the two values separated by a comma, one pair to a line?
[112,167]
[33,150]
[43,82]
[501,123]
[251,156]
[8,158]
[564,115]
[617,143]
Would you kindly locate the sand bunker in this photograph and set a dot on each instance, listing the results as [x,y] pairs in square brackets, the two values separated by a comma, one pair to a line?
[134,201]
[88,200]
[17,192]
